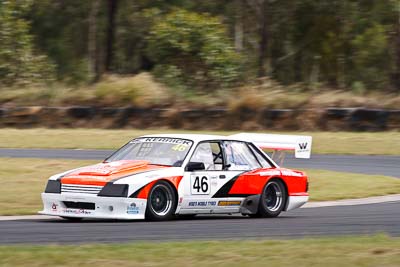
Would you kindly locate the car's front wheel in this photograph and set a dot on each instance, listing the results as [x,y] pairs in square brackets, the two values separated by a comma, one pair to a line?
[273,199]
[161,202]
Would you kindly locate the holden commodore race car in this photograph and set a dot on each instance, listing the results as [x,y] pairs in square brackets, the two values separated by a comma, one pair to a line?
[158,177]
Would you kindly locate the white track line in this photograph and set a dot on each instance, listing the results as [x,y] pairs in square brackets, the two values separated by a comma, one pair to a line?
[351,202]
[26,217]
[345,202]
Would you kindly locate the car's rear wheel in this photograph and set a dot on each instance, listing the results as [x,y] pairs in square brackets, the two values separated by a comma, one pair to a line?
[161,202]
[272,200]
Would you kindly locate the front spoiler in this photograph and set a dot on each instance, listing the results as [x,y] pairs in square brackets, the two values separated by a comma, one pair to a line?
[105,207]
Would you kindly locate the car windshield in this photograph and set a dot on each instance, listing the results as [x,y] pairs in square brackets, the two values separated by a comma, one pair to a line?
[156,150]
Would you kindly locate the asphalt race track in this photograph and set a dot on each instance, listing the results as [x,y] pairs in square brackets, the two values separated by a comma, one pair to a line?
[344,220]
[384,165]
[304,222]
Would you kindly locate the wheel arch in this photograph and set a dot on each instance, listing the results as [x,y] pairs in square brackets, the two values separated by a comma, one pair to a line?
[173,187]
[143,191]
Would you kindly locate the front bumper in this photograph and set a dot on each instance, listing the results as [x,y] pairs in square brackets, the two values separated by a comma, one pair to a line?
[104,207]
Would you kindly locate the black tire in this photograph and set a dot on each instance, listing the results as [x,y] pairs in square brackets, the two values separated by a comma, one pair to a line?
[272,200]
[72,219]
[161,202]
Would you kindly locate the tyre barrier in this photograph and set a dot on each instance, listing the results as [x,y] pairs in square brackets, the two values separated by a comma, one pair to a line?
[330,119]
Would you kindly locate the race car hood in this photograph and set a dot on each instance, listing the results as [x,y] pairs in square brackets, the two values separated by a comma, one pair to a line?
[100,174]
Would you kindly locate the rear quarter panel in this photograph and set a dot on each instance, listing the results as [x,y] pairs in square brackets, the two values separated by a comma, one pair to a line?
[253,182]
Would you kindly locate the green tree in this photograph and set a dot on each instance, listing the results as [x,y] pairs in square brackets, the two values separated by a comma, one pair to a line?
[61,31]
[333,43]
[19,64]
[196,47]
[370,57]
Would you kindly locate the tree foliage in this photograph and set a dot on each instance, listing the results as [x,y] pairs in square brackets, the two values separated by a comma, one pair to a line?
[195,46]
[205,45]
[18,62]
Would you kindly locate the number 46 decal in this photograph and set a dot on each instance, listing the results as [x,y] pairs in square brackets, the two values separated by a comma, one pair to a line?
[200,185]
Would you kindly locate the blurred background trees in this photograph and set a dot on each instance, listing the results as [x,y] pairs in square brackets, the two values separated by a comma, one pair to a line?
[203,45]
[194,49]
[19,63]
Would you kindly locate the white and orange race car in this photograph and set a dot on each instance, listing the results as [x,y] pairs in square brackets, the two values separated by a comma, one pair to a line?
[158,177]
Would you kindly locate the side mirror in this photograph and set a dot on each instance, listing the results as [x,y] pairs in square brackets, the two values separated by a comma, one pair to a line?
[195,166]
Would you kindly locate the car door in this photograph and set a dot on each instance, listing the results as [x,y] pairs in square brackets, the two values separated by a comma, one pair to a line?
[202,185]
[240,162]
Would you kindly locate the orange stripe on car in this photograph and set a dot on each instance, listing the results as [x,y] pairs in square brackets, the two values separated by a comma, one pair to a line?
[144,192]
[102,173]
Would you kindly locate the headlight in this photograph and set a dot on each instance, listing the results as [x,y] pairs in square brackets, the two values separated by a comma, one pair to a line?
[53,186]
[114,190]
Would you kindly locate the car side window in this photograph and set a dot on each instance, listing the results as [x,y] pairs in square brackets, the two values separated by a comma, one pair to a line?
[239,156]
[217,156]
[260,158]
[209,153]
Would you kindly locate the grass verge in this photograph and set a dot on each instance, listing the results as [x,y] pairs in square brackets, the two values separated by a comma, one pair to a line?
[330,185]
[22,181]
[380,143]
[378,250]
